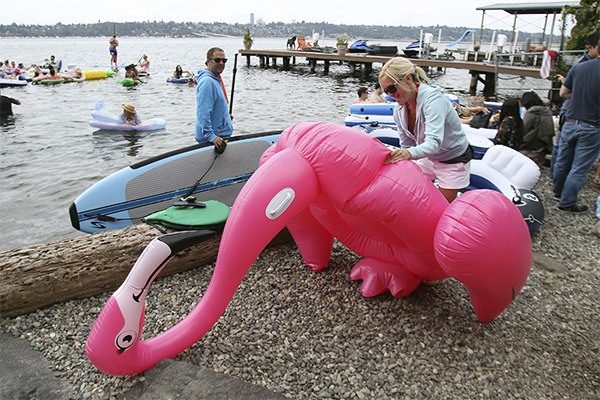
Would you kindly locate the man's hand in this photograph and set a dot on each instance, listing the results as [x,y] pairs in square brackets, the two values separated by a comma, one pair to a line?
[220,144]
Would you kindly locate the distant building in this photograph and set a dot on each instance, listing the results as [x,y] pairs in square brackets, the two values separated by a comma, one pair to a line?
[251,19]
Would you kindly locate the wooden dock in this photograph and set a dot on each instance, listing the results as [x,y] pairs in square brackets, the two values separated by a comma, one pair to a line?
[270,58]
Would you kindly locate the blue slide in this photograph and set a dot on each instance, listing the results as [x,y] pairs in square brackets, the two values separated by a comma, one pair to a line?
[464,35]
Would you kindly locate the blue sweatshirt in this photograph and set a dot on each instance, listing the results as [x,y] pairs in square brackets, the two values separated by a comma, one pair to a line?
[212,110]
[438,134]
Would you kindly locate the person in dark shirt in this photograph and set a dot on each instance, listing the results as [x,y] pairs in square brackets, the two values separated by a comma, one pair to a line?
[579,144]
[6,104]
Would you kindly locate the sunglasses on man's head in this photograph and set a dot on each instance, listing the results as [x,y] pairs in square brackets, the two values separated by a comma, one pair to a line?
[218,60]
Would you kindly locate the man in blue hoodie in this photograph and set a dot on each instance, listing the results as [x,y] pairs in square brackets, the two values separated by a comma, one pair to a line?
[213,122]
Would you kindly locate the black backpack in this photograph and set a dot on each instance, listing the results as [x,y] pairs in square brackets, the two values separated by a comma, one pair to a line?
[480,119]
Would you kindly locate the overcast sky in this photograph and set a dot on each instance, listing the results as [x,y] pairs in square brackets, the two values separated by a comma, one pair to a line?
[368,12]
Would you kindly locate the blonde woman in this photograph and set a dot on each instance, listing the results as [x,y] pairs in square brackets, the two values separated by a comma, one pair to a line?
[429,128]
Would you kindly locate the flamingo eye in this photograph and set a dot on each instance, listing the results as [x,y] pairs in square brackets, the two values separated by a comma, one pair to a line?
[125,340]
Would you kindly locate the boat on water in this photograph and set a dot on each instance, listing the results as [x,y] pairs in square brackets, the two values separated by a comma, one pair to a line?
[416,47]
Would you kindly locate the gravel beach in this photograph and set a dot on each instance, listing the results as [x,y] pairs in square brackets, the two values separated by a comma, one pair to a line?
[311,335]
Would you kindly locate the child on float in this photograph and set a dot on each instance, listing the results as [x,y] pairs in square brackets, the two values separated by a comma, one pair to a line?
[428,126]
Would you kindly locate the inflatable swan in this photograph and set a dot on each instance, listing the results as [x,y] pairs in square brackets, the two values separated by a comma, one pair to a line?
[326,181]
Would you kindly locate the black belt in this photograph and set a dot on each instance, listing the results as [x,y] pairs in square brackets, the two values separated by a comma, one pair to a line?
[578,121]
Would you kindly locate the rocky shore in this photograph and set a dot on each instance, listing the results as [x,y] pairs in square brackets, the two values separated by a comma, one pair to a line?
[308,335]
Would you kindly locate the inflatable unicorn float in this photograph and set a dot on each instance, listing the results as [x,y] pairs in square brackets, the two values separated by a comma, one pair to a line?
[324,181]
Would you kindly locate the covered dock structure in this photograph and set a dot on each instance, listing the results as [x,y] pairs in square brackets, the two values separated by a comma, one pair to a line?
[547,8]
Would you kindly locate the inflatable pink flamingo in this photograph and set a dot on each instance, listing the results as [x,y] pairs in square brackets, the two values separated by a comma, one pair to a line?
[325,181]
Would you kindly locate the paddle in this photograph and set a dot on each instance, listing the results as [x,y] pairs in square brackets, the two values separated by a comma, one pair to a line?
[233,83]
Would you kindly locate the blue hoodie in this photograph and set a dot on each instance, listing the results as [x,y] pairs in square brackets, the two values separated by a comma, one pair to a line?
[212,110]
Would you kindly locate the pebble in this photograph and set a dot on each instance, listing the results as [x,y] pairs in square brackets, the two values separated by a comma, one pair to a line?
[312,335]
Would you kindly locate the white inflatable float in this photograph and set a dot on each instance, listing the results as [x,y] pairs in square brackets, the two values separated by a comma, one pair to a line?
[111,122]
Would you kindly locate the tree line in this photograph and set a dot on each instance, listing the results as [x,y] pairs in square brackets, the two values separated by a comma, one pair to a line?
[273,29]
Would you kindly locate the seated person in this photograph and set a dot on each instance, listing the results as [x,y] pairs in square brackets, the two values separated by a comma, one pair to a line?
[363,95]
[538,128]
[129,115]
[16,74]
[377,96]
[145,63]
[38,75]
[53,62]
[510,125]
[181,73]
[52,75]
[132,72]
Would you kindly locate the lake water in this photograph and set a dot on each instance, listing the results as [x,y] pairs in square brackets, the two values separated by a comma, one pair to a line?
[49,154]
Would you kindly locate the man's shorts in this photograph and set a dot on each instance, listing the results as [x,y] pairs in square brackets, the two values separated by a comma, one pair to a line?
[449,176]
[112,51]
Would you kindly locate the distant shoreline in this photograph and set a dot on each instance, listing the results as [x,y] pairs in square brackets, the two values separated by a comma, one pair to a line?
[272,30]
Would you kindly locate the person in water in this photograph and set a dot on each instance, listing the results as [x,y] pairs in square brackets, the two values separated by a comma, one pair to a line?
[181,73]
[16,74]
[76,76]
[6,105]
[377,96]
[132,72]
[363,95]
[52,75]
[129,115]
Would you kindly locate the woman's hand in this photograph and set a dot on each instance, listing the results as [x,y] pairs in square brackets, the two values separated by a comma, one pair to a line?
[397,155]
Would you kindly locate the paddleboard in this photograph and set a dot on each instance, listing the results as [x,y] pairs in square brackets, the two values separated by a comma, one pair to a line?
[132,193]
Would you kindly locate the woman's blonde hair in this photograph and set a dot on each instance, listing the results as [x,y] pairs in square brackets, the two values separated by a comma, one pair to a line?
[398,67]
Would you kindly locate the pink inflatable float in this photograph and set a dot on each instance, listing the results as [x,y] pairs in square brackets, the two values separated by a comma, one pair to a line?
[326,181]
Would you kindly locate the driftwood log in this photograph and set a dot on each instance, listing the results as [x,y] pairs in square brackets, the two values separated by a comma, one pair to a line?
[38,276]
